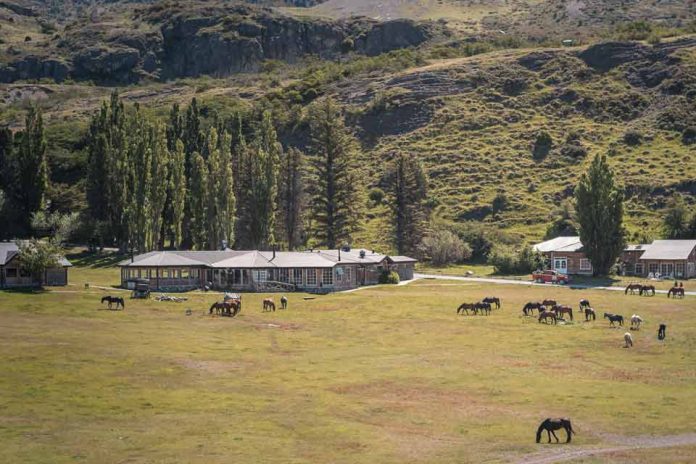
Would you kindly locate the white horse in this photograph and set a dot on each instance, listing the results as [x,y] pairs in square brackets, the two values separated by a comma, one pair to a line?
[628,339]
[636,321]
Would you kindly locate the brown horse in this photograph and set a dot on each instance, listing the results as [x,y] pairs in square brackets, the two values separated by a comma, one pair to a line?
[647,288]
[492,300]
[674,291]
[225,308]
[269,305]
[632,288]
[485,308]
[529,308]
[550,425]
[466,307]
[546,315]
[584,304]
[590,313]
[549,303]
[561,310]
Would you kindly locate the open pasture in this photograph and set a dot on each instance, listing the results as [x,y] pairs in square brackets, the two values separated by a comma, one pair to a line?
[384,374]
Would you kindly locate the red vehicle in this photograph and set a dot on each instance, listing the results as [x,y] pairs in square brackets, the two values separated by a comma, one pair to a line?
[550,275]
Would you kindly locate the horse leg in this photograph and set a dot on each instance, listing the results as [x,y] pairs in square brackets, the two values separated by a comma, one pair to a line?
[554,436]
[548,432]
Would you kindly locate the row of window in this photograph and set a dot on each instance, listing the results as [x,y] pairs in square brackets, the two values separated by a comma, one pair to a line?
[167,273]
[11,273]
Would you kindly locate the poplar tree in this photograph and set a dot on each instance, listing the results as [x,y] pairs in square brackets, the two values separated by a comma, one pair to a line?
[198,201]
[408,192]
[140,154]
[291,201]
[159,175]
[221,199]
[599,209]
[334,190]
[31,165]
[178,191]
[261,199]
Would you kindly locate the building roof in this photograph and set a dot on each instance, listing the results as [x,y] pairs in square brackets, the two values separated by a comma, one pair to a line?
[641,247]
[8,250]
[669,249]
[259,259]
[566,244]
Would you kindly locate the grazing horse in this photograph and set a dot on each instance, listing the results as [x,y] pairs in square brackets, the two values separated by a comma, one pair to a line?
[661,332]
[636,321]
[492,300]
[283,302]
[114,299]
[550,303]
[628,340]
[647,288]
[466,307]
[590,313]
[550,425]
[584,304]
[632,288]
[546,315]
[269,305]
[529,308]
[485,308]
[225,308]
[613,318]
[676,291]
[561,310]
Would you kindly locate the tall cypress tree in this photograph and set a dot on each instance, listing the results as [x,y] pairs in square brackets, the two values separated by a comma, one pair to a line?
[408,192]
[291,201]
[334,189]
[599,209]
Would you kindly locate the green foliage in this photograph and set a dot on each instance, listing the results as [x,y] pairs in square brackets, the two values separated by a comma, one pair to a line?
[679,222]
[57,226]
[389,277]
[599,208]
[689,135]
[35,256]
[292,197]
[636,30]
[198,202]
[508,262]
[376,196]
[443,247]
[334,190]
[542,145]
[563,223]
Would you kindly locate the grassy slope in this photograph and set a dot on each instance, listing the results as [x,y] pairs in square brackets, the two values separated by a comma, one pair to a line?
[381,375]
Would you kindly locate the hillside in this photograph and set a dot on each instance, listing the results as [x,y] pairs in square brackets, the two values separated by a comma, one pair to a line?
[473,120]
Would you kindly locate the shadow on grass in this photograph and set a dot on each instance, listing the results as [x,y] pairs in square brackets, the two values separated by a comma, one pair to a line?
[97,260]
[25,290]
[606,281]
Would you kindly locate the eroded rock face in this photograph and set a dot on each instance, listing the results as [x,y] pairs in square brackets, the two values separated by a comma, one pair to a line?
[606,56]
[110,64]
[34,67]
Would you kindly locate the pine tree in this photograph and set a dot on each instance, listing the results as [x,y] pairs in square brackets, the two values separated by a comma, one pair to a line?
[31,164]
[292,197]
[198,201]
[599,208]
[408,192]
[178,191]
[334,189]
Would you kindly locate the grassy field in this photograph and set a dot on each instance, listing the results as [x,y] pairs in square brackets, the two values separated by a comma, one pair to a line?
[385,374]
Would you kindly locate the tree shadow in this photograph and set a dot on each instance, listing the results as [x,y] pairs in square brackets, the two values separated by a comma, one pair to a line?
[96,259]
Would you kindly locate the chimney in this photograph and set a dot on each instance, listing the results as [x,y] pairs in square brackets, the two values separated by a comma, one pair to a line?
[339,254]
[274,247]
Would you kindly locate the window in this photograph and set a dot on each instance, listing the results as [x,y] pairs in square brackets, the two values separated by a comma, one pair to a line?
[679,269]
[283,275]
[297,276]
[585,264]
[185,274]
[311,277]
[11,273]
[652,267]
[639,268]
[347,275]
[165,273]
[195,273]
[327,276]
[260,275]
[666,269]
[560,264]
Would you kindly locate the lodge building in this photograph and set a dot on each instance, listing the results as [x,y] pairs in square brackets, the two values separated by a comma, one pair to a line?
[312,271]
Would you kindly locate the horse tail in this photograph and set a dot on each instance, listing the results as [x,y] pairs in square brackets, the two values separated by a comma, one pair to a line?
[626,291]
[212,307]
[539,430]
[123,303]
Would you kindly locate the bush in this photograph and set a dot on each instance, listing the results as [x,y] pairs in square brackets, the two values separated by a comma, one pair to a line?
[542,145]
[376,195]
[632,137]
[389,277]
[574,151]
[689,136]
[524,261]
[500,202]
[443,247]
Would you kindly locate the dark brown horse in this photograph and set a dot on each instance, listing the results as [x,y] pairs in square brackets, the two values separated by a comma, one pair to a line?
[614,318]
[226,308]
[529,308]
[466,307]
[551,425]
[549,303]
[584,304]
[546,315]
[484,307]
[560,310]
[676,291]
[117,300]
[590,313]
[632,288]
[492,300]
[644,289]
[269,305]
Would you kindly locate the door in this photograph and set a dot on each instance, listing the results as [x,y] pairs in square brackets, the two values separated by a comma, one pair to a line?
[561,265]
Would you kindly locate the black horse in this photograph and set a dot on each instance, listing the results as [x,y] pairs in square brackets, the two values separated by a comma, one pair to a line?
[661,332]
[114,299]
[614,318]
[492,300]
[484,307]
[550,425]
[590,314]
[529,308]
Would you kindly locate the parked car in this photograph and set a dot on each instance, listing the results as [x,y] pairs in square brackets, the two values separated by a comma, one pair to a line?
[550,276]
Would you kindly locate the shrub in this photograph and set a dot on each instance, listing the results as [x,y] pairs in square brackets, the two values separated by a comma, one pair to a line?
[389,277]
[574,150]
[443,247]
[506,261]
[632,137]
[542,145]
[376,195]
[689,136]
[500,202]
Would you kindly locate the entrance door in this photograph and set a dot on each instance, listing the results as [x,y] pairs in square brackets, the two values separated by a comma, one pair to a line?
[561,265]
